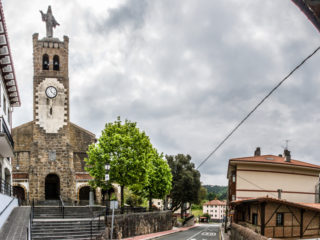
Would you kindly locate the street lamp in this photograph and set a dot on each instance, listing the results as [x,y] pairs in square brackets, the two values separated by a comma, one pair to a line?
[107,168]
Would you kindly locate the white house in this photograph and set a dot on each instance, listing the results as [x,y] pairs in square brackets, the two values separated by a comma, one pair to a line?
[216,209]
[9,98]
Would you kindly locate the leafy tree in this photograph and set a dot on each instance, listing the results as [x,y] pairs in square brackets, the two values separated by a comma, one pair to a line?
[202,193]
[159,178]
[128,151]
[185,182]
[212,196]
[215,191]
[132,199]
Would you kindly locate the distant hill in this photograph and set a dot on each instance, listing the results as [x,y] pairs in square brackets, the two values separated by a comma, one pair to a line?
[215,191]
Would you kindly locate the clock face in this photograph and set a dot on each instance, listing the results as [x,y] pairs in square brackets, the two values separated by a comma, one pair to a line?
[51,92]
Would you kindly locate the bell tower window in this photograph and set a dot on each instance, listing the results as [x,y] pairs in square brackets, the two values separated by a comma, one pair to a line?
[45,62]
[56,63]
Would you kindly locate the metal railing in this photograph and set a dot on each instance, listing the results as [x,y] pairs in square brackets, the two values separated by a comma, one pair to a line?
[61,206]
[5,187]
[5,129]
[98,215]
[29,228]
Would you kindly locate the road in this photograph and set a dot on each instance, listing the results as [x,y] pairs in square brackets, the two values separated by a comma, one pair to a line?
[201,232]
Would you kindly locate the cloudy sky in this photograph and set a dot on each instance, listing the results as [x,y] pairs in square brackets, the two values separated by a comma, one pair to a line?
[187,71]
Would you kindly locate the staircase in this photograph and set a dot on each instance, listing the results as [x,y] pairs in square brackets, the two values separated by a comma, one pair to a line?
[77,222]
[67,229]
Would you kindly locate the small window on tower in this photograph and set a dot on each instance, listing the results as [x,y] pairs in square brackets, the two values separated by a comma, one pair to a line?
[56,64]
[45,62]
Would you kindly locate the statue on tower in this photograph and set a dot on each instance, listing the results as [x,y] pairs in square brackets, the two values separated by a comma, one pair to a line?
[50,21]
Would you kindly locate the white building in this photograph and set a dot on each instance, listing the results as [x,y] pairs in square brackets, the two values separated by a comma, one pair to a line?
[216,209]
[9,98]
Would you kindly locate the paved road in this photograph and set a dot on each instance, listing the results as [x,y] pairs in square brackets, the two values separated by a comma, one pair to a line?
[201,232]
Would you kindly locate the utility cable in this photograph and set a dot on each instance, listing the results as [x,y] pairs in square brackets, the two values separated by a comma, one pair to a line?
[256,107]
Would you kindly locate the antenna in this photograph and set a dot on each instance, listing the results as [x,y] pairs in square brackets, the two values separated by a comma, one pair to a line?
[287,144]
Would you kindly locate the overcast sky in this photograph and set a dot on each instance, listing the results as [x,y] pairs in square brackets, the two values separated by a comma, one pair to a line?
[187,71]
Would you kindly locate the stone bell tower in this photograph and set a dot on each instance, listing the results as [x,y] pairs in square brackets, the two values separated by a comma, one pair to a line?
[50,150]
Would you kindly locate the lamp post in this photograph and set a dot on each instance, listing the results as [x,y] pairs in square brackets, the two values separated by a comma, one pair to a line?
[107,168]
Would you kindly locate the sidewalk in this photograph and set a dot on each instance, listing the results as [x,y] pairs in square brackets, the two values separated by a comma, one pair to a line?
[159,234]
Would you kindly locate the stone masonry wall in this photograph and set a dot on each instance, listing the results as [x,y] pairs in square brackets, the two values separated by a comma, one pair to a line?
[239,232]
[135,224]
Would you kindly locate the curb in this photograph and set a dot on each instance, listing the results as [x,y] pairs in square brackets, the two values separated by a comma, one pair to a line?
[159,234]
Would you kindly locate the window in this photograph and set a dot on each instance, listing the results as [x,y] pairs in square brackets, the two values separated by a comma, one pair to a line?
[233,197]
[56,63]
[254,219]
[233,177]
[45,62]
[279,220]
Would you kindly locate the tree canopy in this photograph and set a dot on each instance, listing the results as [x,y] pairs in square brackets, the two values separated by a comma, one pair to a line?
[133,161]
[186,183]
[159,179]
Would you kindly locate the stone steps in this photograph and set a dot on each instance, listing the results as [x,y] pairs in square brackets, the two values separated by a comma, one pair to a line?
[69,212]
[68,228]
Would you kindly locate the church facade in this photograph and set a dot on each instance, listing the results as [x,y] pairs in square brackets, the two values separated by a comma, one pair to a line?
[49,151]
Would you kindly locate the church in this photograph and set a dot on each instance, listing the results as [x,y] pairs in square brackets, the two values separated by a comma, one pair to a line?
[49,151]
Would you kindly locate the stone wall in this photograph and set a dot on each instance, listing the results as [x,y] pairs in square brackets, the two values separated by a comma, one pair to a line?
[135,224]
[239,232]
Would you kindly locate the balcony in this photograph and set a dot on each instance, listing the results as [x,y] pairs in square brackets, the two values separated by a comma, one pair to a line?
[6,141]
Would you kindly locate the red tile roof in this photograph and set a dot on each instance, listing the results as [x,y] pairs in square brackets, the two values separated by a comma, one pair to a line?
[272,159]
[215,202]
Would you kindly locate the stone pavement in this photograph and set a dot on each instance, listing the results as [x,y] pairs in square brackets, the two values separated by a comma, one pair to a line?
[15,228]
[159,234]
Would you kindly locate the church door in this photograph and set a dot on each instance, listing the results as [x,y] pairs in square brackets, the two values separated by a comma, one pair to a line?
[52,187]
[19,193]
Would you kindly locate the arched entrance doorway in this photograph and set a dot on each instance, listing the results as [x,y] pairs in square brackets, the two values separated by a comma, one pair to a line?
[84,193]
[52,187]
[19,193]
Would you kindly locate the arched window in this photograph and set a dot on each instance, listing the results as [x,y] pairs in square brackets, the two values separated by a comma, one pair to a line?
[45,62]
[56,63]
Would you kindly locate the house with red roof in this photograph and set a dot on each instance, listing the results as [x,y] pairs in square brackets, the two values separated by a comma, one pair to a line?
[216,209]
[278,177]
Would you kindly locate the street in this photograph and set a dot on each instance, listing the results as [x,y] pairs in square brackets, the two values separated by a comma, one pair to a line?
[201,232]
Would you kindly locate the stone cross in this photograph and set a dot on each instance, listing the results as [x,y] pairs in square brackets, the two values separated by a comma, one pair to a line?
[50,21]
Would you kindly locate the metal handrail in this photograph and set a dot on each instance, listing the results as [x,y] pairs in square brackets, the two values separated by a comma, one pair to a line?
[61,205]
[29,228]
[5,187]
[93,217]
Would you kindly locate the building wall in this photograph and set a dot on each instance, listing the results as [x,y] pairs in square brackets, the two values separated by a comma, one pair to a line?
[216,212]
[291,224]
[297,185]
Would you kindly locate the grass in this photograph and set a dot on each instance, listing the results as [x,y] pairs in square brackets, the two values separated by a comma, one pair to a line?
[197,212]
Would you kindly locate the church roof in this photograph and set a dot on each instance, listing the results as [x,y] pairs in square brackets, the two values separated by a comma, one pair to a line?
[6,64]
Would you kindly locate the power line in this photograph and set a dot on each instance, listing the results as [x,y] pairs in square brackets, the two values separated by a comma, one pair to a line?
[256,107]
[255,185]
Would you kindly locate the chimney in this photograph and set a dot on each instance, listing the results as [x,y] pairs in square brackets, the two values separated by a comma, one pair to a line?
[279,193]
[280,155]
[257,152]
[287,156]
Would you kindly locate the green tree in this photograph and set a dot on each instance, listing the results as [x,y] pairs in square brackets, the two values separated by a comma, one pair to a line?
[202,194]
[159,179]
[185,182]
[128,151]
